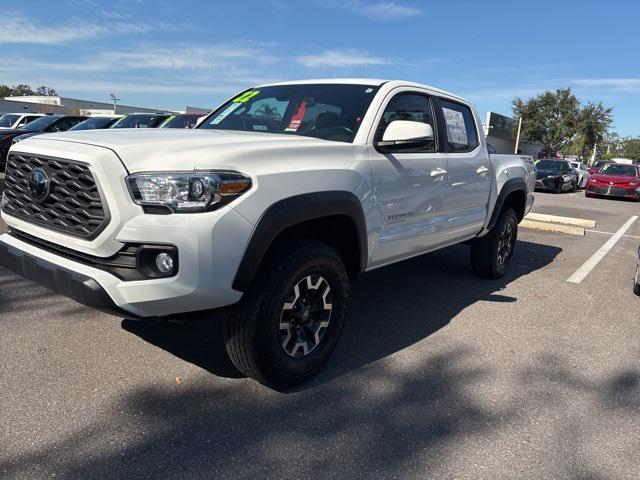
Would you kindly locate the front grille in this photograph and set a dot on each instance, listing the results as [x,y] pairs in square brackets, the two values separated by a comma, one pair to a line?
[617,191]
[73,204]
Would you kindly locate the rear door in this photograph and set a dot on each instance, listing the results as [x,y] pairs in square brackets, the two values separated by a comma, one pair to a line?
[409,186]
[469,168]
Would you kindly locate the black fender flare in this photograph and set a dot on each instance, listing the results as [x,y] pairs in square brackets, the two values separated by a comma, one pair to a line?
[510,186]
[293,211]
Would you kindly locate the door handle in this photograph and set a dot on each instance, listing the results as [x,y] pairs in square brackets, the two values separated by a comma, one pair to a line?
[438,172]
[482,170]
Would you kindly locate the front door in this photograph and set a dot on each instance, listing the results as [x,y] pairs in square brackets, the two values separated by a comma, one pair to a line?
[410,186]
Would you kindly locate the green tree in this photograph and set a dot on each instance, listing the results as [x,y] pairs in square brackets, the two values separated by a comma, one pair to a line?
[5,91]
[595,122]
[46,91]
[631,148]
[559,122]
[551,118]
[22,89]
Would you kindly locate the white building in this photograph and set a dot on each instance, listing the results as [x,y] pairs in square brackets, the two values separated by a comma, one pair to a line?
[65,105]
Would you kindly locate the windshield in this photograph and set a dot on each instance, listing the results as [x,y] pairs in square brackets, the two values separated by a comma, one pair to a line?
[622,170]
[550,165]
[575,164]
[94,123]
[39,124]
[180,121]
[330,112]
[140,121]
[8,120]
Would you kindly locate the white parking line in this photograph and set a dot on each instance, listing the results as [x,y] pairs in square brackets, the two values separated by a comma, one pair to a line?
[609,233]
[590,264]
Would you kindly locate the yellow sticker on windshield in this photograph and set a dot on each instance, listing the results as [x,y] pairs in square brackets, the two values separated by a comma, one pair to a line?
[246,96]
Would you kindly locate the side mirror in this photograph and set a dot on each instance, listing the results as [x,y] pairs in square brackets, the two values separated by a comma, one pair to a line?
[405,135]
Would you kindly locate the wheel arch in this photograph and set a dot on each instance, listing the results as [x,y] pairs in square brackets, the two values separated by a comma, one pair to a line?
[335,217]
[513,194]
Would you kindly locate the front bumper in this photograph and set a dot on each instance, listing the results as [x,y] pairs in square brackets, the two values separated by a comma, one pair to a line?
[210,246]
[612,191]
[77,286]
[548,183]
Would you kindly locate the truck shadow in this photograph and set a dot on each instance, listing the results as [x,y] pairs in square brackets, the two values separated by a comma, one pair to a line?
[391,309]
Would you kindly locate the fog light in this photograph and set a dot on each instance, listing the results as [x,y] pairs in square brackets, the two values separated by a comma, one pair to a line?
[164,263]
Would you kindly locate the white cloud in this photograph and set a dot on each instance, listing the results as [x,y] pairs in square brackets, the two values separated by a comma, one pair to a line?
[617,84]
[377,10]
[17,28]
[191,57]
[388,10]
[341,58]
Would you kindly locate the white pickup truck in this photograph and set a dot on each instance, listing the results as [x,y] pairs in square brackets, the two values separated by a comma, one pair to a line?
[267,211]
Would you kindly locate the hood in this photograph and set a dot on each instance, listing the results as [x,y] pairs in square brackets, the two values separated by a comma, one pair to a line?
[615,179]
[166,149]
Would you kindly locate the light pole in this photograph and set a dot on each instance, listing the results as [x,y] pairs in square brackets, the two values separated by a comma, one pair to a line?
[115,102]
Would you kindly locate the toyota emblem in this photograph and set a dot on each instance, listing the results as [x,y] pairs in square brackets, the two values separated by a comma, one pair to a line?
[39,185]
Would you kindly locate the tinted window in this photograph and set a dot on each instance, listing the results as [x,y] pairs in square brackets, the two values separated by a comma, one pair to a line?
[8,120]
[330,112]
[94,123]
[460,127]
[549,165]
[180,121]
[407,106]
[64,124]
[40,124]
[140,121]
[623,170]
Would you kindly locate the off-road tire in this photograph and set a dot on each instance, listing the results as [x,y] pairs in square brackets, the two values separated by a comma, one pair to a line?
[487,252]
[252,329]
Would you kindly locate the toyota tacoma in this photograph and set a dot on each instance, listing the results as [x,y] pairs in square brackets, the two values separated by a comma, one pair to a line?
[266,212]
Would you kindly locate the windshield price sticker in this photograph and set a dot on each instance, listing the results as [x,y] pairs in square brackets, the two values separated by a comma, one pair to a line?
[246,96]
[456,129]
[296,120]
[228,111]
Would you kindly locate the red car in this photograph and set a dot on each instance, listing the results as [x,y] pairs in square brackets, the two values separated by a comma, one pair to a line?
[615,180]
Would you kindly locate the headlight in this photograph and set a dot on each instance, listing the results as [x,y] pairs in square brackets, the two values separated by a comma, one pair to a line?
[187,192]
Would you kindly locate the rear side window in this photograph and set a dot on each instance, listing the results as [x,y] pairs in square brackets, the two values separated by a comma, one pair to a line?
[408,106]
[460,128]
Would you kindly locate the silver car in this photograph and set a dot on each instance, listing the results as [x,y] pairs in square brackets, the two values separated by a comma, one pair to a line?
[583,174]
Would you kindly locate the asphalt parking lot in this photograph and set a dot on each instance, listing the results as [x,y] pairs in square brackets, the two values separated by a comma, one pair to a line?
[439,375]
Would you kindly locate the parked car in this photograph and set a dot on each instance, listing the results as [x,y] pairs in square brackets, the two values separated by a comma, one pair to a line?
[615,180]
[556,175]
[583,173]
[44,124]
[266,212]
[598,165]
[95,123]
[10,121]
[141,120]
[186,120]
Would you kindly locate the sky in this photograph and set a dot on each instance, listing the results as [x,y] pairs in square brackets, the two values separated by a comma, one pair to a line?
[169,54]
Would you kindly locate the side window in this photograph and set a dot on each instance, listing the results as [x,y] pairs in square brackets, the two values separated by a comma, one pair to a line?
[460,127]
[408,106]
[23,122]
